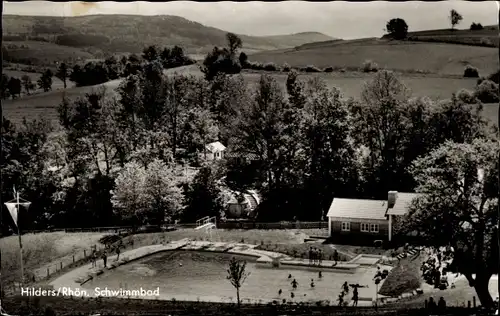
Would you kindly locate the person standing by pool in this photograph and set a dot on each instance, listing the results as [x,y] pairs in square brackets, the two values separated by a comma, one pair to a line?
[355,296]
[104,258]
[118,253]
[294,284]
[94,259]
[320,256]
[310,255]
[335,256]
[345,287]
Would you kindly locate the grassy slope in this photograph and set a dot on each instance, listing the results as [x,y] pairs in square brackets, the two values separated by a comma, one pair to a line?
[41,249]
[488,34]
[130,33]
[350,85]
[436,58]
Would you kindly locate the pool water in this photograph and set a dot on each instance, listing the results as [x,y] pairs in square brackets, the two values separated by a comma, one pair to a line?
[190,275]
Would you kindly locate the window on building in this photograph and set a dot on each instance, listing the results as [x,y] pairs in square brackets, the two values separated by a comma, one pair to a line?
[374,228]
[365,227]
[346,226]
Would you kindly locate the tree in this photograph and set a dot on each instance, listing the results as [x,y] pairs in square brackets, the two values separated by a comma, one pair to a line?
[203,195]
[45,81]
[237,275]
[457,206]
[63,73]
[243,59]
[150,53]
[397,28]
[3,86]
[27,83]
[128,196]
[476,26]
[14,87]
[233,42]
[220,61]
[380,128]
[455,18]
[162,194]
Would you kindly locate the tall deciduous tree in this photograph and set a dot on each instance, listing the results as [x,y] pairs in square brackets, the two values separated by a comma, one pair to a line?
[63,73]
[397,28]
[27,84]
[45,81]
[128,196]
[455,18]
[457,206]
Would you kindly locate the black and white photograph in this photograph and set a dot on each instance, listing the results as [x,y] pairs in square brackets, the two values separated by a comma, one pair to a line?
[249,158]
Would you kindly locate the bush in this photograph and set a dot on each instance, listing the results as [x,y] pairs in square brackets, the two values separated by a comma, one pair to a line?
[484,41]
[286,67]
[476,26]
[370,66]
[328,69]
[312,68]
[487,92]
[495,77]
[466,96]
[471,72]
[270,67]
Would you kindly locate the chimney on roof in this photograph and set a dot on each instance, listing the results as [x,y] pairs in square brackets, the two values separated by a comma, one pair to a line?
[391,198]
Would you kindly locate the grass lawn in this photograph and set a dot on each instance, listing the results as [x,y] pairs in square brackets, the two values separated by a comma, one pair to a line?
[403,278]
[453,297]
[436,58]
[40,250]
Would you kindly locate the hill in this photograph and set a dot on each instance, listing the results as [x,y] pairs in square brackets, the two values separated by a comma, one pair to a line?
[487,37]
[405,56]
[103,34]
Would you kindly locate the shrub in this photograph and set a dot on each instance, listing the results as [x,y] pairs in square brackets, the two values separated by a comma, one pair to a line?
[328,69]
[476,26]
[484,41]
[487,92]
[466,96]
[370,66]
[471,72]
[286,67]
[270,67]
[495,77]
[312,68]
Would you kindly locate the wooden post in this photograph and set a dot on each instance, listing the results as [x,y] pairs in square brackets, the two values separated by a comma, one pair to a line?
[468,304]
[61,265]
[48,273]
[73,258]
[425,304]
[474,301]
[84,253]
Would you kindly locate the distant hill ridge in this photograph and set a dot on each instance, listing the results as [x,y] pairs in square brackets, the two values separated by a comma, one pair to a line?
[130,33]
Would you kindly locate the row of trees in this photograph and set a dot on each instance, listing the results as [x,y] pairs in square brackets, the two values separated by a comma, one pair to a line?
[12,86]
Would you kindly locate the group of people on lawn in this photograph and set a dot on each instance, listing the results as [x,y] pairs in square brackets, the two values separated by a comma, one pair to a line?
[104,254]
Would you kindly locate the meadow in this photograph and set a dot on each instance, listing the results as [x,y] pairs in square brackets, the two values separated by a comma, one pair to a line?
[350,84]
[438,58]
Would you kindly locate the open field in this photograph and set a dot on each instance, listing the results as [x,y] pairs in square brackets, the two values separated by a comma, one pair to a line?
[436,58]
[488,36]
[349,83]
[42,53]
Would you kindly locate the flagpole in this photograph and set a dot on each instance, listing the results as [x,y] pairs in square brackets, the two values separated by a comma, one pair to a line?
[20,242]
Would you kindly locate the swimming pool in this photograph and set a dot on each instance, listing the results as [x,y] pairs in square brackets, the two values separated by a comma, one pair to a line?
[192,275]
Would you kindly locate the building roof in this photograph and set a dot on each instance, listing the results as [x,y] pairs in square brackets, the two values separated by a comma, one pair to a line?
[357,208]
[215,147]
[403,201]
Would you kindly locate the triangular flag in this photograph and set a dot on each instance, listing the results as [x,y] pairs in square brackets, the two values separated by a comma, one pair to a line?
[15,193]
[12,207]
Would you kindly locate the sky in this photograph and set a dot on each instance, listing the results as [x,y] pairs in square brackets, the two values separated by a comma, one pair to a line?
[338,19]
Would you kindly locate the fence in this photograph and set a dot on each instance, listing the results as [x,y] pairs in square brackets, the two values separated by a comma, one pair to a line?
[47,271]
[220,224]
